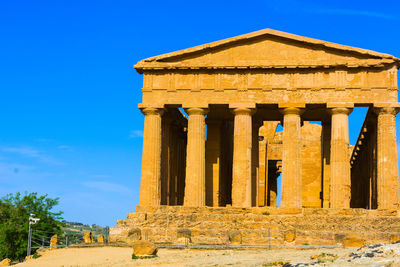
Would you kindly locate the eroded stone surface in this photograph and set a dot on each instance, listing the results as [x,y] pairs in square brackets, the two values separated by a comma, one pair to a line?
[259,226]
[144,248]
[53,242]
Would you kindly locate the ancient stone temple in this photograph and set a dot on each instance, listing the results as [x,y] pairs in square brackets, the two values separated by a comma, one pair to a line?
[211,143]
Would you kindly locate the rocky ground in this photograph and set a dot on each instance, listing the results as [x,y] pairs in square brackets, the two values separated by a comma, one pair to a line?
[373,255]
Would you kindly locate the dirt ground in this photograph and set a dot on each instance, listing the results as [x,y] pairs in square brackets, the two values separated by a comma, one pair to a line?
[117,256]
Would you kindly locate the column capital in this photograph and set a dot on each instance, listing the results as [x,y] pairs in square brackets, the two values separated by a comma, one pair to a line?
[339,105]
[243,111]
[242,105]
[292,111]
[291,105]
[386,110]
[152,111]
[340,110]
[196,111]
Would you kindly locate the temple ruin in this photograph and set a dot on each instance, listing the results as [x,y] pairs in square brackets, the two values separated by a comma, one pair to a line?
[210,119]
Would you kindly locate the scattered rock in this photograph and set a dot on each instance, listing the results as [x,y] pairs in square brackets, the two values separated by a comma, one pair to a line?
[5,262]
[100,239]
[53,242]
[144,248]
[88,237]
[382,255]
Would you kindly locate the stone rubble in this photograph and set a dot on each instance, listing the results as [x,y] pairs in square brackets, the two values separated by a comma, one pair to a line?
[377,255]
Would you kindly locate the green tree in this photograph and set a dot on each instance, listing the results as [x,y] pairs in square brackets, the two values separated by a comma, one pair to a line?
[14,222]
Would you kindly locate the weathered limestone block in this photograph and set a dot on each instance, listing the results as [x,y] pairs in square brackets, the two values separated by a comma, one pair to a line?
[53,242]
[100,239]
[144,248]
[5,262]
[87,237]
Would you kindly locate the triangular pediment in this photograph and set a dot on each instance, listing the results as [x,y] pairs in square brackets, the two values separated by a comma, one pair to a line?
[267,49]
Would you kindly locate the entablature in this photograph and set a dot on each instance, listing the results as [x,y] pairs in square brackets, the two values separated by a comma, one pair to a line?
[257,79]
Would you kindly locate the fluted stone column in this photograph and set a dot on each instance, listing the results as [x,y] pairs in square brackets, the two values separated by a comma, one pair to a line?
[326,161]
[262,173]
[195,193]
[150,184]
[242,152]
[387,169]
[340,189]
[291,158]
[256,124]
[213,162]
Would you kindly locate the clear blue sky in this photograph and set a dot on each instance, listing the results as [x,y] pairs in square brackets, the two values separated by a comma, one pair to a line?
[69,123]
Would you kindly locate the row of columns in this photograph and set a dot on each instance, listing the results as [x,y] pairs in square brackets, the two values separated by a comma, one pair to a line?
[340,176]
